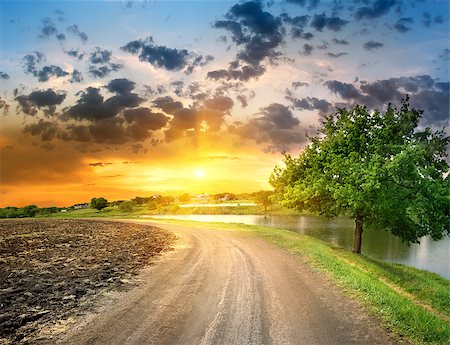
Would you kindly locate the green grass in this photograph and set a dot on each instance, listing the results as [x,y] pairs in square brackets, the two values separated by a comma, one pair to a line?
[173,210]
[412,303]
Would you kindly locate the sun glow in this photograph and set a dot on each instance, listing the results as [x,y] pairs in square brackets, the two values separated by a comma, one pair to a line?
[199,173]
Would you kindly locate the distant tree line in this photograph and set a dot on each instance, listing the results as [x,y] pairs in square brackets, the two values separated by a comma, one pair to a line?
[27,211]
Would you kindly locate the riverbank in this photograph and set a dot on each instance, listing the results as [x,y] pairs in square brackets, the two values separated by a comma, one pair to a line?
[412,303]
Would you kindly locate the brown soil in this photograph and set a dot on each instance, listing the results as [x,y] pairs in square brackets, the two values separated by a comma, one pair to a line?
[52,270]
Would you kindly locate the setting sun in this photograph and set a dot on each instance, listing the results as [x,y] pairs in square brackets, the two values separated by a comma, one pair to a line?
[199,173]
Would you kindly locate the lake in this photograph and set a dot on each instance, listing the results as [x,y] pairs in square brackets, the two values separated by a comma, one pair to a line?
[429,255]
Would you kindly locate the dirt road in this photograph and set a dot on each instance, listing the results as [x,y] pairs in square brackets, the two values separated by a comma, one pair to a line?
[221,287]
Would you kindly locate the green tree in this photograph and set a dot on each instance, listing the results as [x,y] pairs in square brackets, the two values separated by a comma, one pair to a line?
[263,198]
[377,168]
[127,206]
[99,203]
[30,210]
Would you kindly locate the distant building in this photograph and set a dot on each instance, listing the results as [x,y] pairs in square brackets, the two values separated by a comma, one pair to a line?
[80,206]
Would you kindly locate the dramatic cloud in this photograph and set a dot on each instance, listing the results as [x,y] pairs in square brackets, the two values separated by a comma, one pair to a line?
[46,130]
[425,93]
[371,45]
[309,103]
[403,24]
[204,116]
[75,54]
[76,77]
[46,72]
[276,127]
[321,21]
[43,74]
[170,59]
[4,75]
[92,106]
[75,31]
[258,33]
[375,9]
[45,99]
[101,64]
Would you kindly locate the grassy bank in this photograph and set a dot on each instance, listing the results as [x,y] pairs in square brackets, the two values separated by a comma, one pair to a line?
[412,303]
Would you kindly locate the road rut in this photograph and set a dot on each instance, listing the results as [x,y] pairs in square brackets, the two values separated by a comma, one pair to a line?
[223,287]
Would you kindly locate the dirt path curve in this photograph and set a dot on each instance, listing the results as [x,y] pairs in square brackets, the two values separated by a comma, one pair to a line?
[221,287]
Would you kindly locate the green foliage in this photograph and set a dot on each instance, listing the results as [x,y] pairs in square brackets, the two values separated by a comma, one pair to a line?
[263,198]
[127,206]
[30,210]
[99,203]
[376,167]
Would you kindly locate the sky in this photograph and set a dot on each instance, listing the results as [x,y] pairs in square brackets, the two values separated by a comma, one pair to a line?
[120,99]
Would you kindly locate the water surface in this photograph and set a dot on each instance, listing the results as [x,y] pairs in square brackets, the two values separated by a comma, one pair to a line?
[429,255]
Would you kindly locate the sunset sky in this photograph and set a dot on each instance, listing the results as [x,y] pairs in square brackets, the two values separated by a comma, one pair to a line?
[120,99]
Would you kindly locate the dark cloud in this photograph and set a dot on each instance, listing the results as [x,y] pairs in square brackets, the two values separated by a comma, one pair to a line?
[297,84]
[371,45]
[426,19]
[171,59]
[48,28]
[206,115]
[258,33]
[4,106]
[375,9]
[307,49]
[298,24]
[31,61]
[100,56]
[92,106]
[76,77]
[46,130]
[47,72]
[309,103]
[99,164]
[439,19]
[101,63]
[145,118]
[321,21]
[81,35]
[61,37]
[121,86]
[242,100]
[244,73]
[338,41]
[425,93]
[345,90]
[336,55]
[403,24]
[75,53]
[4,75]
[443,86]
[276,127]
[45,99]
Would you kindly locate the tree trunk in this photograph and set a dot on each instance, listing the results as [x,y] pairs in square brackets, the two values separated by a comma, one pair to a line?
[357,239]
